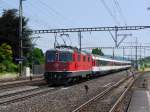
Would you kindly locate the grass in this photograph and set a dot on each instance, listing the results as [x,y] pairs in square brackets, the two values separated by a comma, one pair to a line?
[147,69]
[8,75]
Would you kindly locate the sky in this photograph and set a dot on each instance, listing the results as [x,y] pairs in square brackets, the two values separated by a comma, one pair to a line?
[51,14]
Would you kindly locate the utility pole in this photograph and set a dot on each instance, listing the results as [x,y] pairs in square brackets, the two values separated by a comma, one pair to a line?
[80,36]
[131,54]
[136,54]
[20,37]
[113,53]
[55,35]
[140,55]
[123,54]
[116,36]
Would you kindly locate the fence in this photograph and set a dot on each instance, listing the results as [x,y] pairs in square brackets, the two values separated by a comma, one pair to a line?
[38,69]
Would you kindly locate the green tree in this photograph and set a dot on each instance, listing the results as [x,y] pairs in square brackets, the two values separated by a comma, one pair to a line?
[35,57]
[9,32]
[6,62]
[38,56]
[97,51]
[5,52]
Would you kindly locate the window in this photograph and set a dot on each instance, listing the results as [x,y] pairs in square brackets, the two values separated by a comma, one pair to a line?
[97,62]
[103,62]
[51,56]
[84,58]
[88,58]
[79,57]
[64,56]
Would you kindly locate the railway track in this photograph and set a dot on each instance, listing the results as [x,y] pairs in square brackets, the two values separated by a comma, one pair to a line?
[4,80]
[104,98]
[14,97]
[119,105]
[64,99]
[36,81]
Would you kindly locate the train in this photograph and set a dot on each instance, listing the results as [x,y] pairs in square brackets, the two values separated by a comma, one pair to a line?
[65,64]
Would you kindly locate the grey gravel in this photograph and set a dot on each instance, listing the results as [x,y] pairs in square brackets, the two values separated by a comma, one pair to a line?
[65,99]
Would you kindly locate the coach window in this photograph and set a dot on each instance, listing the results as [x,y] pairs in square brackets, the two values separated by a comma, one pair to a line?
[96,62]
[79,57]
[84,58]
[103,62]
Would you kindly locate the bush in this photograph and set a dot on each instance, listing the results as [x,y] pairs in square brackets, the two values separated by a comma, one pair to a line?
[2,67]
[10,67]
[6,62]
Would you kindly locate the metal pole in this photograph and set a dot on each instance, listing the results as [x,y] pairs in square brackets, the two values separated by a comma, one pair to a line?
[140,55]
[116,36]
[123,53]
[80,42]
[113,53]
[140,51]
[20,36]
[136,55]
[55,34]
[131,54]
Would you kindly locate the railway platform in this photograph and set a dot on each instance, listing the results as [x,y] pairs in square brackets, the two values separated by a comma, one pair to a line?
[140,101]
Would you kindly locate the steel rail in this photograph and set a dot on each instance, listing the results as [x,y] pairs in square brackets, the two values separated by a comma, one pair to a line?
[25,97]
[81,107]
[115,106]
[21,83]
[120,99]
[16,93]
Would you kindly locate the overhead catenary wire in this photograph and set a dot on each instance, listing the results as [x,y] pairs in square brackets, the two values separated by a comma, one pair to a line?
[115,19]
[7,5]
[110,12]
[40,8]
[34,16]
[120,11]
[55,12]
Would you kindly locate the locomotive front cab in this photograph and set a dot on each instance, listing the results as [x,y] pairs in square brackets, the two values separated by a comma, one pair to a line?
[58,65]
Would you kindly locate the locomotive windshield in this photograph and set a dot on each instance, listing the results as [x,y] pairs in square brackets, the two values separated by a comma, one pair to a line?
[58,56]
[52,56]
[65,56]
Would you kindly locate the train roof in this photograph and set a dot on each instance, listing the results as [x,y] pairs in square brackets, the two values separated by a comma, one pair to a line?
[96,57]
[70,49]
[62,50]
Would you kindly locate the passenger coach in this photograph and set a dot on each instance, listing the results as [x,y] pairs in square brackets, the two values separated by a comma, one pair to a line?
[104,65]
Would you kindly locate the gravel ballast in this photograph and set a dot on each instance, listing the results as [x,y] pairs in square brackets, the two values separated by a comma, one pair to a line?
[65,99]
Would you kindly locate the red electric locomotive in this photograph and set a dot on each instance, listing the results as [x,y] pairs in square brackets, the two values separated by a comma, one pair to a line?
[66,63]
